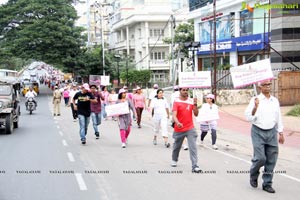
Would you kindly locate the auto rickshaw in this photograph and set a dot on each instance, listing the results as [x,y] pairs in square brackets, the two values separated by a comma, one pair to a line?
[25,86]
[35,86]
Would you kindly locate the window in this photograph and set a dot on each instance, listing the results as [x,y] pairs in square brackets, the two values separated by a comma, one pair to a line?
[158,56]
[157,32]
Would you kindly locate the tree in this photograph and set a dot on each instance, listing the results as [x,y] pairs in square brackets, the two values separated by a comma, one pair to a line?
[183,33]
[42,30]
[137,77]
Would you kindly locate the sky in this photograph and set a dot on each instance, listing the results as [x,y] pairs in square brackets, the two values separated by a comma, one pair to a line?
[3,1]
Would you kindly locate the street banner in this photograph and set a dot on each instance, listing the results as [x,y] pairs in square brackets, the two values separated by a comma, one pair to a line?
[201,79]
[117,109]
[95,80]
[208,115]
[251,73]
[104,80]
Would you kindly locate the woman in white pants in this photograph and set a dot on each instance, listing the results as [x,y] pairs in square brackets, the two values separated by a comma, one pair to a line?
[160,117]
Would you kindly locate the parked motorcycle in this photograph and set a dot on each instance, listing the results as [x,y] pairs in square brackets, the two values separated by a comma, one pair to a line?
[31,105]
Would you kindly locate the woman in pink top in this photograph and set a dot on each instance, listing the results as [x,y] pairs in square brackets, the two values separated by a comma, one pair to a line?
[66,93]
[139,102]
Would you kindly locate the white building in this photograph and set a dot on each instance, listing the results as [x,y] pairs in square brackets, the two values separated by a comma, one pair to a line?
[138,28]
[244,30]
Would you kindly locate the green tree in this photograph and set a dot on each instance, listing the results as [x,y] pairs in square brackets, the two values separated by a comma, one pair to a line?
[42,30]
[183,33]
[136,77]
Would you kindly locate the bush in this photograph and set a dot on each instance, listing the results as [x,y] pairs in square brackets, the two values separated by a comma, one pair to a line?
[295,111]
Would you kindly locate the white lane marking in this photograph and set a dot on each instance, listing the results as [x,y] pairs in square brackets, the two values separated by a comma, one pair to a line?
[71,157]
[61,133]
[290,177]
[248,162]
[65,143]
[80,181]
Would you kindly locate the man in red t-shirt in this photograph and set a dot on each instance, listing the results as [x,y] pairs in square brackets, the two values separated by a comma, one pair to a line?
[183,109]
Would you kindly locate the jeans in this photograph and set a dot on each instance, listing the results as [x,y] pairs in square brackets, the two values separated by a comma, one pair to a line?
[96,119]
[103,112]
[83,126]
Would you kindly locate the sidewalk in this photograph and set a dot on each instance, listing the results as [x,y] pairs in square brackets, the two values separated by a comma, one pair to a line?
[291,124]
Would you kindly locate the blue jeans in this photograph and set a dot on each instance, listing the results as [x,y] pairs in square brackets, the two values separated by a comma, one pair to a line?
[83,126]
[103,112]
[96,119]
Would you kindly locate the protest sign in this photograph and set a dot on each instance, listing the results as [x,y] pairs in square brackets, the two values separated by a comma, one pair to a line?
[104,80]
[117,109]
[207,115]
[251,73]
[201,79]
[95,80]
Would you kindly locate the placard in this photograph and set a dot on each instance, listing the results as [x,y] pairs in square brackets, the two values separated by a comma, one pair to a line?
[117,109]
[251,73]
[208,115]
[201,79]
[105,80]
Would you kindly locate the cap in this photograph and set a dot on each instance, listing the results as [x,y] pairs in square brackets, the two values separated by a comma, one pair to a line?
[138,88]
[86,86]
[56,87]
[125,87]
[155,86]
[176,87]
[122,91]
[210,96]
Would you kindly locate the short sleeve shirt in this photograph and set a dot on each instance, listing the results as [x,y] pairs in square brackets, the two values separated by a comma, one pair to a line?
[184,114]
[83,106]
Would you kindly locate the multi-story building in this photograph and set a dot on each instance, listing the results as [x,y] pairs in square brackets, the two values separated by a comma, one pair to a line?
[244,30]
[138,28]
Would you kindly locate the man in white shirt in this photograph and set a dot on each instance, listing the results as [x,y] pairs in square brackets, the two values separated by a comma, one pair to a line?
[264,113]
[152,94]
[30,94]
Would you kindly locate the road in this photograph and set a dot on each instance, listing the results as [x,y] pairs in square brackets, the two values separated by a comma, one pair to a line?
[44,159]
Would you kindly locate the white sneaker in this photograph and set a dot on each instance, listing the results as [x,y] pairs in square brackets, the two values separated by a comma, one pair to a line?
[201,143]
[174,163]
[215,147]
[123,145]
[185,147]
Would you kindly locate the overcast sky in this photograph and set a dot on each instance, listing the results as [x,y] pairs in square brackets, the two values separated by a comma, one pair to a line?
[3,1]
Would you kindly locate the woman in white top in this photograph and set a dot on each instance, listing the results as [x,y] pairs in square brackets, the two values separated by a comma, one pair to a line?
[208,108]
[161,115]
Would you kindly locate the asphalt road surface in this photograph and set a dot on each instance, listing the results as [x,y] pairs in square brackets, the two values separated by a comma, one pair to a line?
[44,160]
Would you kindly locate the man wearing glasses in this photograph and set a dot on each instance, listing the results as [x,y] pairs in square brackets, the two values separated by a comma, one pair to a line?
[183,109]
[264,113]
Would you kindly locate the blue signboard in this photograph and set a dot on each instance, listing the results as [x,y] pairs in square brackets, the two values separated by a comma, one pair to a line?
[245,43]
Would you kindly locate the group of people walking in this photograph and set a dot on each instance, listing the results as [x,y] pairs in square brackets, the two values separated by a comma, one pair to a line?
[263,112]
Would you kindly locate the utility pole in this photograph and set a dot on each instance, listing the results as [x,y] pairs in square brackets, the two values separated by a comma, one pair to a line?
[215,52]
[172,46]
